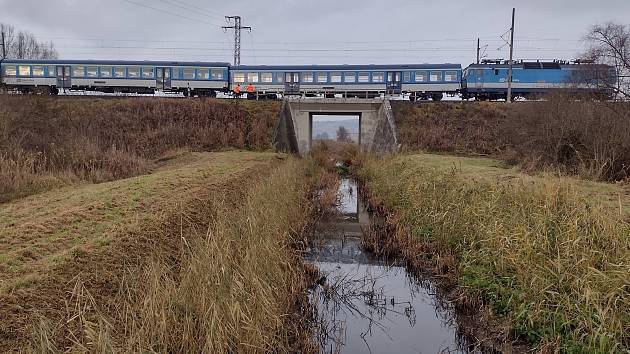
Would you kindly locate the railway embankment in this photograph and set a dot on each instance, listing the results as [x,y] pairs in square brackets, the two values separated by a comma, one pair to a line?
[590,139]
[48,142]
[547,257]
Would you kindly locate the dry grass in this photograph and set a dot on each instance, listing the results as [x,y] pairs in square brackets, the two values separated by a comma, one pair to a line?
[241,281]
[539,251]
[587,138]
[97,238]
[48,142]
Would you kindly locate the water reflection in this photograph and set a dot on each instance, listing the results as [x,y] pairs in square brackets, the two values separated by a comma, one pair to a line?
[365,305]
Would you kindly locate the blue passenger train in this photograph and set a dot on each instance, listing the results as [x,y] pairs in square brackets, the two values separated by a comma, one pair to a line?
[487,80]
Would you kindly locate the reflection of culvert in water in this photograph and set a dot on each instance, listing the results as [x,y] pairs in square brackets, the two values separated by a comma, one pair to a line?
[367,305]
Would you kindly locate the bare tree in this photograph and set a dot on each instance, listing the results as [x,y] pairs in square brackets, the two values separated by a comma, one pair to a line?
[343,135]
[610,44]
[24,45]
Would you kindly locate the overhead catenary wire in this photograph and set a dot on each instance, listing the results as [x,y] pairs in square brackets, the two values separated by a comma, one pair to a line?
[192,8]
[167,12]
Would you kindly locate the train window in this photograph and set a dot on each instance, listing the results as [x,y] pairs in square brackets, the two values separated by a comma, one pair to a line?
[435,76]
[496,71]
[450,76]
[119,72]
[133,72]
[350,77]
[407,76]
[203,74]
[78,71]
[51,71]
[24,70]
[10,70]
[378,77]
[364,77]
[38,71]
[92,71]
[217,74]
[176,73]
[307,77]
[189,73]
[105,71]
[266,77]
[239,77]
[322,77]
[421,76]
[147,73]
[252,77]
[335,77]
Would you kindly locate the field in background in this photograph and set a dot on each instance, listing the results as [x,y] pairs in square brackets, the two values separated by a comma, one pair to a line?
[551,255]
[50,142]
[585,138]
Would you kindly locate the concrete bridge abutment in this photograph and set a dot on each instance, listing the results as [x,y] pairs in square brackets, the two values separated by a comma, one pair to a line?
[377,129]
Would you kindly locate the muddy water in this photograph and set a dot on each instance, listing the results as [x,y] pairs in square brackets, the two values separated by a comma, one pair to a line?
[369,305]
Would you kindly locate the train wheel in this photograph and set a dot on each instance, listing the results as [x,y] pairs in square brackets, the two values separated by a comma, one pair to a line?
[437,97]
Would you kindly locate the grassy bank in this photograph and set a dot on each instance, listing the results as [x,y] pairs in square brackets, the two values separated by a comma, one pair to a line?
[242,282]
[586,138]
[136,264]
[50,142]
[550,255]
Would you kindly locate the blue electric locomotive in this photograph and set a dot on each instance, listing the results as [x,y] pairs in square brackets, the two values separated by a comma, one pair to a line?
[489,80]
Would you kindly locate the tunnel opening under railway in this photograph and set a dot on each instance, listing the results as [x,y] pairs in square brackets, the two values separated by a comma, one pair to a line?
[335,128]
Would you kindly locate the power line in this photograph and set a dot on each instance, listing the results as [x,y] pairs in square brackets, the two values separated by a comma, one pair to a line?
[191,8]
[321,50]
[167,12]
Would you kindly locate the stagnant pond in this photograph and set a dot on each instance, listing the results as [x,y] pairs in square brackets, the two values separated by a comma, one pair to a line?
[369,305]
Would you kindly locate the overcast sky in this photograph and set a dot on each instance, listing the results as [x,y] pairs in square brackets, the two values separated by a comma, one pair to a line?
[311,31]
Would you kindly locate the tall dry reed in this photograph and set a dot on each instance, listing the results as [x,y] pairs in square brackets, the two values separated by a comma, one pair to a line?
[240,283]
[553,262]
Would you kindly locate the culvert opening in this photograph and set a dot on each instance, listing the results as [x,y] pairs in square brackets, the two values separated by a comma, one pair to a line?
[335,128]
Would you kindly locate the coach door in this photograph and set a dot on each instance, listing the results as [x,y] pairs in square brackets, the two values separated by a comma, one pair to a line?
[291,83]
[394,83]
[479,78]
[63,77]
[163,78]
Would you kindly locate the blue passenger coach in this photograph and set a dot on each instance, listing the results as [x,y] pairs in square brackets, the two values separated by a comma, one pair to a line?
[420,81]
[50,76]
[489,80]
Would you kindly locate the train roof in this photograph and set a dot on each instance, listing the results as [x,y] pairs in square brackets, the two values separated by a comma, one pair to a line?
[535,65]
[347,67]
[114,62]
